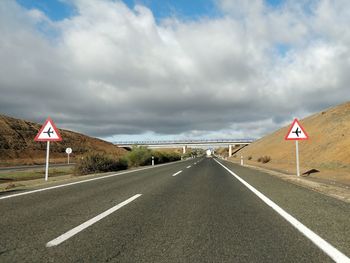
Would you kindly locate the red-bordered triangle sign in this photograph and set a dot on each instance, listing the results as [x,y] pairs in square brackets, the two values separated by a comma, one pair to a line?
[296,132]
[48,132]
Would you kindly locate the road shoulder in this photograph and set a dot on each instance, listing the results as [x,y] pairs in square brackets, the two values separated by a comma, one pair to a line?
[336,191]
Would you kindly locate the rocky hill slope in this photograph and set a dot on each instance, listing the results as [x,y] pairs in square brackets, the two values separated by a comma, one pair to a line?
[327,150]
[17,145]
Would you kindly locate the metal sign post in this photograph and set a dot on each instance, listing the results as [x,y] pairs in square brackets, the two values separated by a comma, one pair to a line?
[297,156]
[296,133]
[47,160]
[48,133]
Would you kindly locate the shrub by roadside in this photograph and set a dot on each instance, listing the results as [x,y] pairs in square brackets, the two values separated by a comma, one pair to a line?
[97,163]
[139,156]
[189,154]
[165,157]
[264,159]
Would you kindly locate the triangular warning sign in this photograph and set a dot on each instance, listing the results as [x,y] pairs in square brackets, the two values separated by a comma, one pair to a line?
[296,132]
[48,132]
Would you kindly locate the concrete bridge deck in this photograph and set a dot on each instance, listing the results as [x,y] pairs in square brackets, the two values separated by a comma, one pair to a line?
[186,143]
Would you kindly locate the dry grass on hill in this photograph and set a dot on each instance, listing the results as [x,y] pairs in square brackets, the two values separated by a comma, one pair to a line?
[17,145]
[327,150]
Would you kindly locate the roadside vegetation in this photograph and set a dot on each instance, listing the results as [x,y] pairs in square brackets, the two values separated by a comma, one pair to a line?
[96,162]
[35,173]
[193,153]
[264,159]
[99,163]
[138,156]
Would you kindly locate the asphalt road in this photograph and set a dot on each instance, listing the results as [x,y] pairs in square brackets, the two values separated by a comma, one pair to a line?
[202,214]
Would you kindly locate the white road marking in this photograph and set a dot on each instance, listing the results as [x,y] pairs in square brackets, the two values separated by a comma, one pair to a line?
[88,223]
[188,166]
[83,181]
[177,173]
[326,247]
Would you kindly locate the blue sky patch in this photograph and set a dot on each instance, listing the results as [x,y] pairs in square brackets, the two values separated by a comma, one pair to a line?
[282,49]
[55,9]
[58,9]
[179,8]
[275,3]
[190,10]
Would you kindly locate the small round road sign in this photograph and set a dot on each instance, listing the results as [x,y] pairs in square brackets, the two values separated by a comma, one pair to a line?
[69,150]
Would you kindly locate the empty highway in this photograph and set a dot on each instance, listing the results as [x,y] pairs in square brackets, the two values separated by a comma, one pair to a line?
[199,210]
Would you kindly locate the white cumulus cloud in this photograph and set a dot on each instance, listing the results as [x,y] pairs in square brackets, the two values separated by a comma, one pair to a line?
[110,70]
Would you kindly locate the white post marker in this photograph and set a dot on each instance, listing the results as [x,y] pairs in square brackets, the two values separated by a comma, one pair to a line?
[48,133]
[242,160]
[296,133]
[152,160]
[68,152]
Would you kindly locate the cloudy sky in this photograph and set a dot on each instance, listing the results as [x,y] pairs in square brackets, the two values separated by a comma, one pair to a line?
[173,69]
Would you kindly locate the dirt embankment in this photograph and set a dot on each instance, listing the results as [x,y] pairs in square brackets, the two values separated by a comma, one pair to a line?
[17,145]
[327,150]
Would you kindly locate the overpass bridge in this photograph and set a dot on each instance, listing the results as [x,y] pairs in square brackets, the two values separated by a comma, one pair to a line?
[186,143]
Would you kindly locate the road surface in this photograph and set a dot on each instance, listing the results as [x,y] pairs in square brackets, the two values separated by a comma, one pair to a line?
[190,211]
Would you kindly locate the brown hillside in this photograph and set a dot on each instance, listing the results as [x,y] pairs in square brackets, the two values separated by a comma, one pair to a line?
[327,150]
[17,145]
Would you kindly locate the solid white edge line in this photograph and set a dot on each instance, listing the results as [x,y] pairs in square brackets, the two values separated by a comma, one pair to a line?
[85,181]
[326,247]
[177,173]
[88,223]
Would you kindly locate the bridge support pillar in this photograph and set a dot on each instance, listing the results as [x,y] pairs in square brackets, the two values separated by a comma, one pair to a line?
[184,149]
[230,150]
